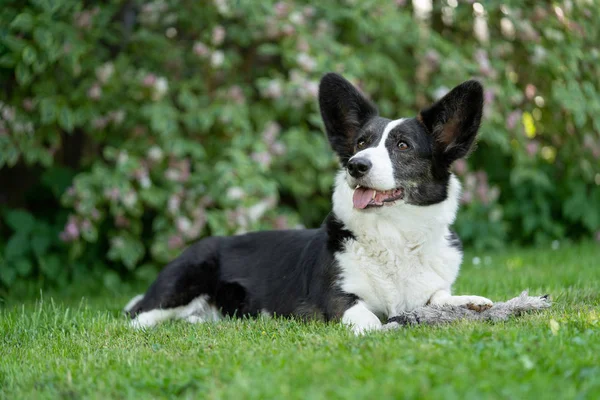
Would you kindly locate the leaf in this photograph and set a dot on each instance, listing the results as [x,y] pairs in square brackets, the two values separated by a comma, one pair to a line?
[50,266]
[23,22]
[22,74]
[23,266]
[65,119]
[127,249]
[48,110]
[7,275]
[20,221]
[8,60]
[40,244]
[29,55]
[111,280]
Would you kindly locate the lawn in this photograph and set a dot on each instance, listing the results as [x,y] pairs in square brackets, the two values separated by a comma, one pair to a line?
[60,345]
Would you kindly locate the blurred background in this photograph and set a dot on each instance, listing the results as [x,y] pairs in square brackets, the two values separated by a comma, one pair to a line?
[129,129]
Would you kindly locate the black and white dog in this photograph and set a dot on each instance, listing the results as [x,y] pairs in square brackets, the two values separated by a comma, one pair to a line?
[386,247]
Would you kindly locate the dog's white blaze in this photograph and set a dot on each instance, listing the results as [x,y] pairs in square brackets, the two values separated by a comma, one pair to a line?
[198,310]
[381,175]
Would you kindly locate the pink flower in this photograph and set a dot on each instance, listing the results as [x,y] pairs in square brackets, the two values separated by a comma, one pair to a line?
[201,50]
[175,242]
[149,80]
[530,91]
[309,11]
[433,58]
[512,119]
[86,225]
[598,236]
[274,90]
[100,123]
[95,92]
[263,158]
[174,203]
[278,149]
[489,95]
[218,35]
[28,104]
[467,197]
[482,193]
[303,46]
[532,148]
[281,9]
[236,94]
[83,19]
[281,223]
[271,132]
[112,194]
[460,167]
[71,231]
[95,214]
[485,68]
[288,30]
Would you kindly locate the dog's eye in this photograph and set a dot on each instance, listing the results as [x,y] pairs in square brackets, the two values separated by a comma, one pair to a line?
[361,143]
[403,146]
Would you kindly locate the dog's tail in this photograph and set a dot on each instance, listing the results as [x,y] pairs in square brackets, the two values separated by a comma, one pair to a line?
[130,308]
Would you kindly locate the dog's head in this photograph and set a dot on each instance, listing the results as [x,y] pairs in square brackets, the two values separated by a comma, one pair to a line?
[406,160]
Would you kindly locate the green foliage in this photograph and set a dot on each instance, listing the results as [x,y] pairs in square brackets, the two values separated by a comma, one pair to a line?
[157,122]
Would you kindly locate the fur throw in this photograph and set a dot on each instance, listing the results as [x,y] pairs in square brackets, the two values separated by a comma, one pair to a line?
[435,315]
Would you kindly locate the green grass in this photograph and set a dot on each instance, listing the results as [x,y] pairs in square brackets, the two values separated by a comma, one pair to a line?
[62,346]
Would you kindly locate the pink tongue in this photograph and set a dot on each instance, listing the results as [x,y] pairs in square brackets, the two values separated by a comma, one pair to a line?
[362,197]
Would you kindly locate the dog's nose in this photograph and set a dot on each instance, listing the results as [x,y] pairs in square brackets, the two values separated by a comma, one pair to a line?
[358,167]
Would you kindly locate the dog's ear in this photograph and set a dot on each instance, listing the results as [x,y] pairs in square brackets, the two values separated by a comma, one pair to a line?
[344,111]
[453,121]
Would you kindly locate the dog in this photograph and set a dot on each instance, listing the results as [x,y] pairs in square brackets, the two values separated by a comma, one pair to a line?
[385,248]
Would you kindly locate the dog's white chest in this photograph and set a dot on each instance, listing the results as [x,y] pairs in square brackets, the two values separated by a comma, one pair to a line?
[391,277]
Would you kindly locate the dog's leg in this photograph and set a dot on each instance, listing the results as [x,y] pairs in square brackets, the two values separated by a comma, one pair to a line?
[185,289]
[361,319]
[477,303]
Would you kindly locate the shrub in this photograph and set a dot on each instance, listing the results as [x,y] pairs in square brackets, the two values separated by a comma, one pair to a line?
[147,124]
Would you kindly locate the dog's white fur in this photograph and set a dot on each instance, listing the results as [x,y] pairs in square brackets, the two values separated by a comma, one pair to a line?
[401,258]
[197,311]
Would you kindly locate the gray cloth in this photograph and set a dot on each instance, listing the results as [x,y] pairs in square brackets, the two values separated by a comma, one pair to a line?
[435,315]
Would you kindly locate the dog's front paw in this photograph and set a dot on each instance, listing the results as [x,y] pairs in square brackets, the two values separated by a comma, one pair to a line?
[478,303]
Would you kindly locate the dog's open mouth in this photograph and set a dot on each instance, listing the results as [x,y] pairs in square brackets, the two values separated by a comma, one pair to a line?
[366,197]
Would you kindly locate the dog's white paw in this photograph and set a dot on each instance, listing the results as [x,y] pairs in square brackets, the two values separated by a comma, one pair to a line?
[478,303]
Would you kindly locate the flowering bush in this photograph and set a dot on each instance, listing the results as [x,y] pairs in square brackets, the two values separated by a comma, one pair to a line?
[137,127]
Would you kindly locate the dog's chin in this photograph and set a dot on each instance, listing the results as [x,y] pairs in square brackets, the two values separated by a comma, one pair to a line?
[365,198]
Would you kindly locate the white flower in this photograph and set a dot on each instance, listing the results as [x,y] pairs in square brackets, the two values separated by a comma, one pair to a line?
[217,58]
[222,6]
[155,153]
[105,72]
[161,86]
[306,62]
[218,35]
[235,193]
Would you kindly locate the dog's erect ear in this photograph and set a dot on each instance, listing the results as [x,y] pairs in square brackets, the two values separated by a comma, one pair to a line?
[453,121]
[344,111]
